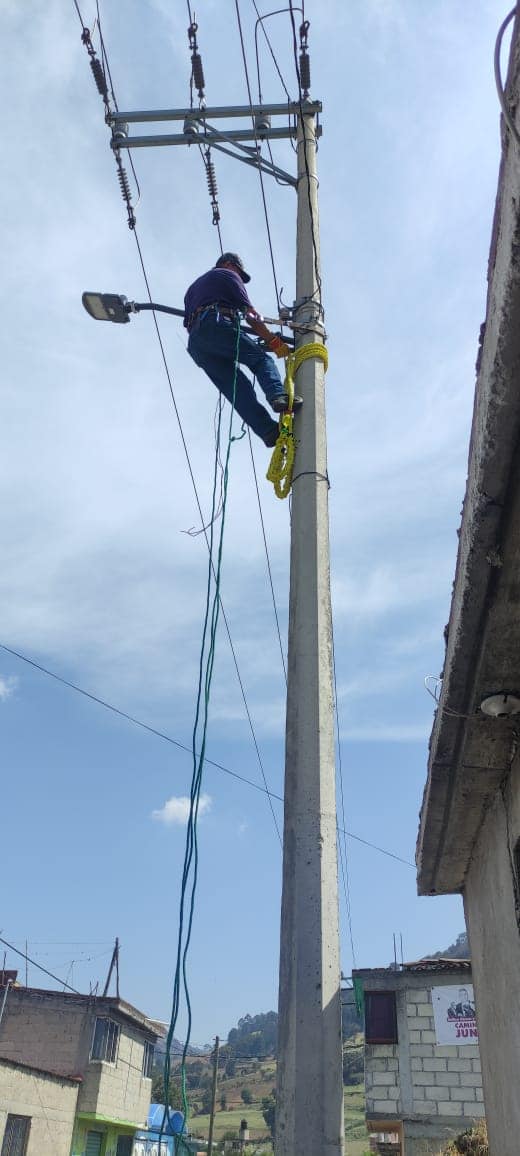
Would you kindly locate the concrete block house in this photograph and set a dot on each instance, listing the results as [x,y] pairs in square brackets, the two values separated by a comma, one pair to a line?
[420,1091]
[469,834]
[75,1073]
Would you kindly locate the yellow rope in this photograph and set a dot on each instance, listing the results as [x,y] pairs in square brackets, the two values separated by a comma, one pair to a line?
[281,465]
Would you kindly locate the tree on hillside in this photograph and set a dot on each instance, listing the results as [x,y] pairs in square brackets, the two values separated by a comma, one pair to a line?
[353,1063]
[255,1035]
[269,1111]
[247,1095]
[457,950]
[225,1053]
[206,1102]
[351,1020]
[174,1089]
[195,1073]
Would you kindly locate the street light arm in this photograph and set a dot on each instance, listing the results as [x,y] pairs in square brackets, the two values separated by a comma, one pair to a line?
[139,307]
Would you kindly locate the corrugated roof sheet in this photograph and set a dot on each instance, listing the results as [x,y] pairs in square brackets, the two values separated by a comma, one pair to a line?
[438,965]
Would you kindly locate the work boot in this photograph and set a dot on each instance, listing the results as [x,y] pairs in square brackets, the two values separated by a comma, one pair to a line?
[270,439]
[281,402]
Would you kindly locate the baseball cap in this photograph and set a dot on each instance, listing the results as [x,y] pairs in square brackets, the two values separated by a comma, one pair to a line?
[233,259]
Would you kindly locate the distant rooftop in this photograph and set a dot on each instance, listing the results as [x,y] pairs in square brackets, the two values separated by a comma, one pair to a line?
[416,966]
[438,964]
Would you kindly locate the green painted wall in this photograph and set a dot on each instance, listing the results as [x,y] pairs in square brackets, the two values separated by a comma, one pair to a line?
[111,1130]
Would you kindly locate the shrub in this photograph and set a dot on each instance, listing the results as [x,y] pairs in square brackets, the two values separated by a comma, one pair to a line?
[472,1142]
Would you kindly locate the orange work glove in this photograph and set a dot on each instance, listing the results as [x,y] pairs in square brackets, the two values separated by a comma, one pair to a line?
[277,346]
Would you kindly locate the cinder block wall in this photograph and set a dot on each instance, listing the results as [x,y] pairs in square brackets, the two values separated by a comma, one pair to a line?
[445,1081]
[35,1030]
[49,1101]
[435,1091]
[382,1086]
[119,1090]
[491,906]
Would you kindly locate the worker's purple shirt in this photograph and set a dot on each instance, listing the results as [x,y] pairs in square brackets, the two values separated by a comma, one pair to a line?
[222,286]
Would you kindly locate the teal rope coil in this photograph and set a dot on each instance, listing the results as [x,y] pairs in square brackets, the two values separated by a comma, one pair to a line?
[191,852]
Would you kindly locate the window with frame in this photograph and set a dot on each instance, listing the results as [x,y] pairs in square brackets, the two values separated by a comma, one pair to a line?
[148,1059]
[105,1041]
[380,1017]
[16,1135]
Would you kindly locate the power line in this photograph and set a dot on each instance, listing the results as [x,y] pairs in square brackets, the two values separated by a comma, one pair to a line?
[38,965]
[268,561]
[182,746]
[192,477]
[206,667]
[260,21]
[264,201]
[129,718]
[205,532]
[306,161]
[343,851]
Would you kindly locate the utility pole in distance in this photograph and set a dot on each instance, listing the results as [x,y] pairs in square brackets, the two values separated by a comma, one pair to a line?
[309,1111]
[213,1096]
[309,1102]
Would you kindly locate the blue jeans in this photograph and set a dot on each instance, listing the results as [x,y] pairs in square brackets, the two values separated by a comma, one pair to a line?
[213,345]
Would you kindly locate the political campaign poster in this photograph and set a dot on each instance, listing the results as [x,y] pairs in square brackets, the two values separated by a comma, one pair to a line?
[454,1015]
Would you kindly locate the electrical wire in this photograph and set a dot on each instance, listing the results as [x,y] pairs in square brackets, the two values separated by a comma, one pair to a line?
[343,850]
[192,477]
[262,187]
[204,527]
[224,616]
[476,717]
[266,16]
[498,77]
[260,20]
[268,561]
[306,163]
[106,69]
[175,742]
[130,718]
[206,666]
[38,965]
[76,5]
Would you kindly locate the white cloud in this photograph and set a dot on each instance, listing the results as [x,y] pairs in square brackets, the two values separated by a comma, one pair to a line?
[7,687]
[176,810]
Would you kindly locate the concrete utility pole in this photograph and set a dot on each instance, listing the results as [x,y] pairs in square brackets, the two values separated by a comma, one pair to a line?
[213,1096]
[309,1103]
[309,1111]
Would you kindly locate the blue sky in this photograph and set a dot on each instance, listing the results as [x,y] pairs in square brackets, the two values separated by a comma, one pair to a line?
[99,580]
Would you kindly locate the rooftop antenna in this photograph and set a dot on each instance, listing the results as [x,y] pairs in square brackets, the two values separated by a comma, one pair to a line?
[114,962]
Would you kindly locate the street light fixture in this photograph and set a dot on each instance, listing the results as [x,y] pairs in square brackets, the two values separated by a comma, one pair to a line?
[115,307]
